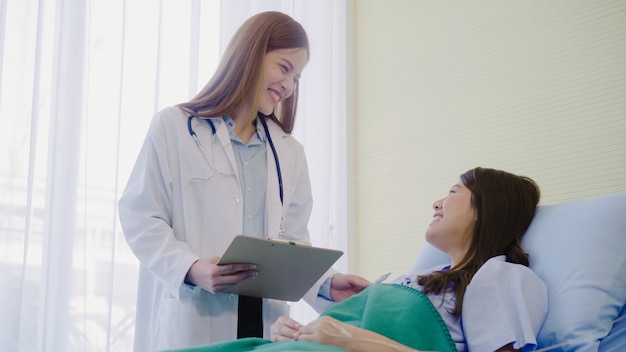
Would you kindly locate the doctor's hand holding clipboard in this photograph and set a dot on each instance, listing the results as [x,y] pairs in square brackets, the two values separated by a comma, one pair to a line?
[286,270]
[214,278]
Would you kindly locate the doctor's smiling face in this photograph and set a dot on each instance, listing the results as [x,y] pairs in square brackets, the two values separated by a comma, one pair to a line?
[280,73]
[453,223]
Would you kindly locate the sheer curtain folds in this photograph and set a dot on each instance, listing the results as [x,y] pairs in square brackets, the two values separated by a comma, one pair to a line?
[79,82]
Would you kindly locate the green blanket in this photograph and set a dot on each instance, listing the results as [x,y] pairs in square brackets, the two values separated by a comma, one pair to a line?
[398,312]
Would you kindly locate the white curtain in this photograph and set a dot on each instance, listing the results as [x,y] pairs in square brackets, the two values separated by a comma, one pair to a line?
[79,82]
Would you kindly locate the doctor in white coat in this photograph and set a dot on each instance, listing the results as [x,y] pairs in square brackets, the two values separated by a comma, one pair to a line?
[190,192]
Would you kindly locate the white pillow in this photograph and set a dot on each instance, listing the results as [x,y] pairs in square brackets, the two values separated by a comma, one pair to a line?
[579,249]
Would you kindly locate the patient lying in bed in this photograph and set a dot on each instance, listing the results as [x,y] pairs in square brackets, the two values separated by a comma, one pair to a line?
[479,224]
[487,299]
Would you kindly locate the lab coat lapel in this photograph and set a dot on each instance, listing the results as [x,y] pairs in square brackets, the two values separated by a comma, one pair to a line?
[221,130]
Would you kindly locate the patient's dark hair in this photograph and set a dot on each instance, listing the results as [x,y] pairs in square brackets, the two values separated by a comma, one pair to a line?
[505,204]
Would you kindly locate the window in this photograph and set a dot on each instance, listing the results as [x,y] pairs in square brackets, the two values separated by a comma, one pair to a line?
[79,82]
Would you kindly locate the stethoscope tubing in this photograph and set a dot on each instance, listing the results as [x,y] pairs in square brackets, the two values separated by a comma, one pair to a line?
[278,172]
[269,139]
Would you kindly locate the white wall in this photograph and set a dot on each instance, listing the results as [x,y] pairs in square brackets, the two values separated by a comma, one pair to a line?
[532,87]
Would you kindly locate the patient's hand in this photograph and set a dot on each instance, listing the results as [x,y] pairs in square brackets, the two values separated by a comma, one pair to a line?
[327,331]
[285,329]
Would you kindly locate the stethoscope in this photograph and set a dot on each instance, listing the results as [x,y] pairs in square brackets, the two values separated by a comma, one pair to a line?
[214,169]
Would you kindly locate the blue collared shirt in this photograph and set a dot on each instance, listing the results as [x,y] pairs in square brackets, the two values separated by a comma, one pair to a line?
[251,159]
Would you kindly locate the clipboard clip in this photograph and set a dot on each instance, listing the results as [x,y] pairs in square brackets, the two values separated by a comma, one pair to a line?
[293,243]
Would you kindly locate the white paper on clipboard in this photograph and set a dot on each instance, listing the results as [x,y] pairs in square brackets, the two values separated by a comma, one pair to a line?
[287,270]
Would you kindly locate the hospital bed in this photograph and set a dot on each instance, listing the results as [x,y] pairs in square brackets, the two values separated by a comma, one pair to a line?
[578,248]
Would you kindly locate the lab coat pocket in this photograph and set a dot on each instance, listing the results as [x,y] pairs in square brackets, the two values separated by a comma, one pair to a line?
[179,320]
[176,319]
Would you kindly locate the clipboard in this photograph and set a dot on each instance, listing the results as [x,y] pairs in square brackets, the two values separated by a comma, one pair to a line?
[286,270]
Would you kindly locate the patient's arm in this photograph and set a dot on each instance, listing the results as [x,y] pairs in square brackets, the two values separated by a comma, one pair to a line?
[329,331]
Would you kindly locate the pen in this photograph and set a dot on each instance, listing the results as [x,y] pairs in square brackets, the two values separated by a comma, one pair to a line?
[382,278]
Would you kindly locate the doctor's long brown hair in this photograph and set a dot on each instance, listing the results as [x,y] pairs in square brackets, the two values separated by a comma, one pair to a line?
[505,204]
[238,75]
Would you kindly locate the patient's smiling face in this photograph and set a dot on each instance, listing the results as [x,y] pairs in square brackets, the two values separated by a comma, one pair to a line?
[453,222]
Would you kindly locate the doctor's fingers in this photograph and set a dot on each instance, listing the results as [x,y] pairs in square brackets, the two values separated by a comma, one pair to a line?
[219,283]
[229,269]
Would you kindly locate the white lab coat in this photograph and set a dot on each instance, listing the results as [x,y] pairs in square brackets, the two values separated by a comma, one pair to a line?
[171,217]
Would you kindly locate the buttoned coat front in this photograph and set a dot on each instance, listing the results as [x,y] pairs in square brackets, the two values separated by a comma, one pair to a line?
[177,208]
